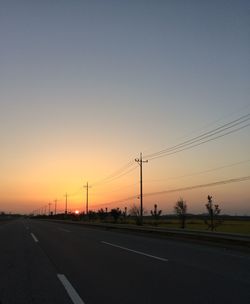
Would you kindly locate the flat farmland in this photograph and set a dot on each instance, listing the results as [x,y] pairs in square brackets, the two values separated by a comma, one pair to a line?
[241,226]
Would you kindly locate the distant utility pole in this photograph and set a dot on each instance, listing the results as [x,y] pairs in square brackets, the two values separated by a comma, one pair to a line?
[140,162]
[87,197]
[66,203]
[55,201]
[49,208]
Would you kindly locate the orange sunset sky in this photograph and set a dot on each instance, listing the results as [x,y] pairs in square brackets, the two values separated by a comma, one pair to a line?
[85,86]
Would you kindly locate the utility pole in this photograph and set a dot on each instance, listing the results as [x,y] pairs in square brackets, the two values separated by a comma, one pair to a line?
[66,203]
[55,201]
[140,162]
[87,197]
[49,208]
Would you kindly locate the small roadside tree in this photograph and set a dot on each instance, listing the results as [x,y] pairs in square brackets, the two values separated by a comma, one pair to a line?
[134,211]
[92,215]
[156,214]
[125,214]
[115,213]
[213,212]
[102,214]
[180,209]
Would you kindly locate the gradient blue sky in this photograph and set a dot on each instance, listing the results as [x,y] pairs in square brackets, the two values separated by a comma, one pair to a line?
[87,85]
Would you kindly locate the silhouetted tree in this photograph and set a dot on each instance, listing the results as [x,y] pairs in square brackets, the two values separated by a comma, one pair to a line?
[102,214]
[180,209]
[213,212]
[134,211]
[125,214]
[115,213]
[156,214]
[92,215]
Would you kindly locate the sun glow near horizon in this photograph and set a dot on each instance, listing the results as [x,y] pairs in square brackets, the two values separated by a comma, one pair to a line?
[81,95]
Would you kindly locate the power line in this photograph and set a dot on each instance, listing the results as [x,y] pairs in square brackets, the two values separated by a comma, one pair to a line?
[223,182]
[117,174]
[208,125]
[195,145]
[217,183]
[203,138]
[186,145]
[205,171]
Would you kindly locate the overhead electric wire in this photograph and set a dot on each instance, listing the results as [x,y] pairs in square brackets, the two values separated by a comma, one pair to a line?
[217,183]
[203,138]
[188,144]
[117,174]
[198,144]
[204,135]
[205,171]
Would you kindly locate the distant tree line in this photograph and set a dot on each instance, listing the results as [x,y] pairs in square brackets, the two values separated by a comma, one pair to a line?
[116,215]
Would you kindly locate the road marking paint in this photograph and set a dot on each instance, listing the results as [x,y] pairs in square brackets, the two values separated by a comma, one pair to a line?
[62,229]
[74,296]
[135,251]
[34,238]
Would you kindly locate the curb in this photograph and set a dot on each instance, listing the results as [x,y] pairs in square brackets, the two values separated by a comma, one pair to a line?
[219,238]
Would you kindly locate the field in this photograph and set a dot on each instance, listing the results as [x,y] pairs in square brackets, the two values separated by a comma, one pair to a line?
[241,226]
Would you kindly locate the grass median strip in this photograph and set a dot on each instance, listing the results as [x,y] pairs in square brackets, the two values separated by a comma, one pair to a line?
[135,251]
[74,296]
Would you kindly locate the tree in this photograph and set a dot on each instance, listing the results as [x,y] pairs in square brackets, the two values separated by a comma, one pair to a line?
[156,214]
[134,211]
[180,209]
[102,214]
[125,214]
[213,212]
[115,213]
[92,215]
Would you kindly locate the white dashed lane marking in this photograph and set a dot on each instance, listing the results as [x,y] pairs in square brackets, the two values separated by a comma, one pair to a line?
[74,296]
[34,237]
[137,252]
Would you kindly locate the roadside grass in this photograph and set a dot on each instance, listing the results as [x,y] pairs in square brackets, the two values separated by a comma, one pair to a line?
[240,225]
[228,226]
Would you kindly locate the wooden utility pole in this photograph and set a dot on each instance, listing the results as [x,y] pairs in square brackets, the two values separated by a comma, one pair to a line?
[66,203]
[49,208]
[87,197]
[55,201]
[140,162]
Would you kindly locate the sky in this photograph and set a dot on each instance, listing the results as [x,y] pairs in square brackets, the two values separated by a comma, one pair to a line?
[86,86]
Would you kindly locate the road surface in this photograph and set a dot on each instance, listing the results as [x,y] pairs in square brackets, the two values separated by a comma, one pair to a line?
[47,262]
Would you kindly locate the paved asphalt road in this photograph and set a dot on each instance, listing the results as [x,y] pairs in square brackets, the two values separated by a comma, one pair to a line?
[46,262]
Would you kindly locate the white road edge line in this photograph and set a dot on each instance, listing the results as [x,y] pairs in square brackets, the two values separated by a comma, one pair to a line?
[34,238]
[70,289]
[135,251]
